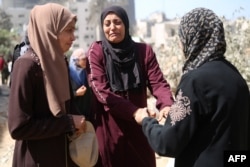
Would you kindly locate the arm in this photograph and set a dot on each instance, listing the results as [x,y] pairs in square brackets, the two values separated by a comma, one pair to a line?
[180,127]
[112,103]
[157,84]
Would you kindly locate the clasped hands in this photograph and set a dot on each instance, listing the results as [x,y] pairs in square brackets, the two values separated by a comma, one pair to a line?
[142,113]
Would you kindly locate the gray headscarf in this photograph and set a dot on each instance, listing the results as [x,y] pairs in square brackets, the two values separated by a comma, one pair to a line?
[202,34]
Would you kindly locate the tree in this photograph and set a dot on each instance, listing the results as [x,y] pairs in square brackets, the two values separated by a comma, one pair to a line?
[7,41]
[237,35]
[7,38]
[238,45]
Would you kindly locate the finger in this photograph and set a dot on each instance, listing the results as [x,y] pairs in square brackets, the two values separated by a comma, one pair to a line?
[83,124]
[165,115]
[161,116]
[151,113]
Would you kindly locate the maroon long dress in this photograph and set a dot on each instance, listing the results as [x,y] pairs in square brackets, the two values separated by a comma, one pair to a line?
[120,138]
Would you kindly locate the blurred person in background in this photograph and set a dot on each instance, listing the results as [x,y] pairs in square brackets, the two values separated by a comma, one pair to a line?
[4,70]
[79,82]
[2,62]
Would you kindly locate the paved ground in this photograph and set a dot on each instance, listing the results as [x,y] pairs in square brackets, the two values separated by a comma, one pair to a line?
[7,144]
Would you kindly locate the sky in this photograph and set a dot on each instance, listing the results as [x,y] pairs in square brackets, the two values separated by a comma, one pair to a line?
[231,9]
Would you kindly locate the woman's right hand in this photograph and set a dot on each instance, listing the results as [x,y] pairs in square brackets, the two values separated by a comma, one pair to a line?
[80,123]
[81,91]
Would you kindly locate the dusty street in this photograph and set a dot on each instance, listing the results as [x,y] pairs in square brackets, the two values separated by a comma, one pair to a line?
[6,142]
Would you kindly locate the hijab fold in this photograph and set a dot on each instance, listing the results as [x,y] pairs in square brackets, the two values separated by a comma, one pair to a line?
[122,65]
[45,24]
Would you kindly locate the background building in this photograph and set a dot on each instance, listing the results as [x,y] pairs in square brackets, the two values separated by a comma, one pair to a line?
[86,32]
[19,3]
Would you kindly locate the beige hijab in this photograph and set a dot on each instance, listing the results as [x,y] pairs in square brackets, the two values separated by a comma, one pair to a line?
[45,23]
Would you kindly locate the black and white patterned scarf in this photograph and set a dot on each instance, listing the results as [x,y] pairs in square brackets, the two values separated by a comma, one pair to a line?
[202,34]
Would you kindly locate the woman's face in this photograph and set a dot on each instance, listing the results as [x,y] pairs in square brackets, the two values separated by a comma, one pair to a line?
[114,28]
[82,62]
[66,37]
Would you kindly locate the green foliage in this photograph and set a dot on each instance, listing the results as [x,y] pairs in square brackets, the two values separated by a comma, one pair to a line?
[6,37]
[7,41]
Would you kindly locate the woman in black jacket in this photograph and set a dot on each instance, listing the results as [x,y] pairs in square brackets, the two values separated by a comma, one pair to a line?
[211,113]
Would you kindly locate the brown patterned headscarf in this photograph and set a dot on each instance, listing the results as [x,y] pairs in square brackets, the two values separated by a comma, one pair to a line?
[45,24]
[202,34]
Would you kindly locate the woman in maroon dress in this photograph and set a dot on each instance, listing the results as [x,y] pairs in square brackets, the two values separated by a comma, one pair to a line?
[120,71]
